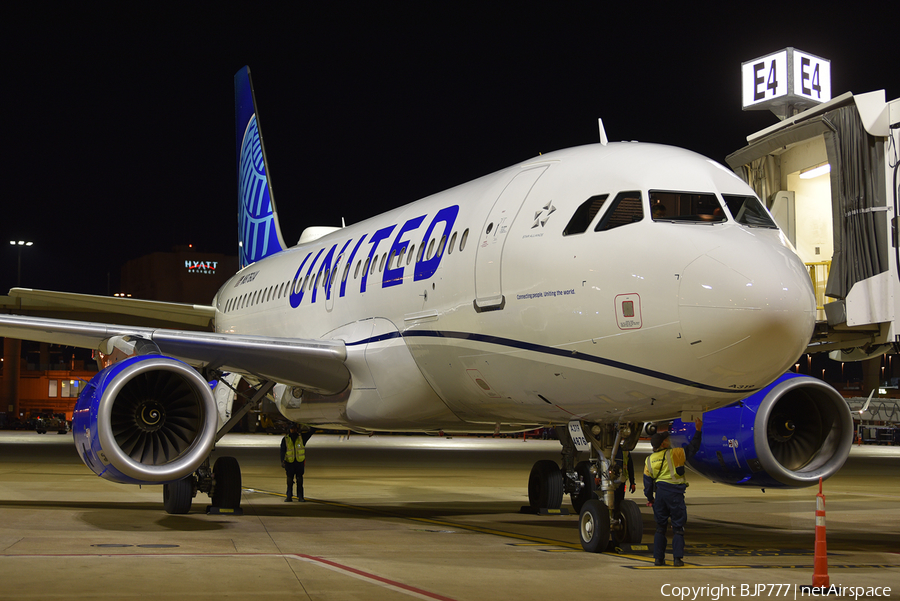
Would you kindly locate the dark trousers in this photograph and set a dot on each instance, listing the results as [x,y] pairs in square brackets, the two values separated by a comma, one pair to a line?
[294,470]
[619,495]
[669,504]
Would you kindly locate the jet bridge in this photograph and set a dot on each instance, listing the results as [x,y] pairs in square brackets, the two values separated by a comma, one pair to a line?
[830,177]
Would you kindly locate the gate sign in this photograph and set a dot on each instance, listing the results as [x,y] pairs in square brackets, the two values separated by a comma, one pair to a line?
[784,80]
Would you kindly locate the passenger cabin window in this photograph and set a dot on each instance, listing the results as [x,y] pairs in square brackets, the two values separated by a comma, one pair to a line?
[685,206]
[584,215]
[748,210]
[627,208]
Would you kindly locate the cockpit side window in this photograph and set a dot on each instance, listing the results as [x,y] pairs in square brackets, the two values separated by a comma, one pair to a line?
[584,215]
[625,209]
[685,206]
[748,210]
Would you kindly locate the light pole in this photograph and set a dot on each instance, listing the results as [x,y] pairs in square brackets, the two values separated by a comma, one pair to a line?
[19,244]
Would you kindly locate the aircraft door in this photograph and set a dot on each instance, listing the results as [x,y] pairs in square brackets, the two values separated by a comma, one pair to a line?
[488,285]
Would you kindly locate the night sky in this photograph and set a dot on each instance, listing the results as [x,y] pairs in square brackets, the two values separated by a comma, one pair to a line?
[119,129]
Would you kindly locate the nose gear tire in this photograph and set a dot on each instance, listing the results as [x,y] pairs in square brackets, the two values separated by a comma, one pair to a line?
[593,526]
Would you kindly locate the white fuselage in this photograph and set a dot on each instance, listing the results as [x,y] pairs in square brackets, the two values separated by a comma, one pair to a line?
[517,323]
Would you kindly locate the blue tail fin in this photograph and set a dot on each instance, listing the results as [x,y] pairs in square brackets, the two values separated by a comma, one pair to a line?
[260,234]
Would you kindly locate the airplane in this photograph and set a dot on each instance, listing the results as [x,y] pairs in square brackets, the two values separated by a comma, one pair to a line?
[594,289]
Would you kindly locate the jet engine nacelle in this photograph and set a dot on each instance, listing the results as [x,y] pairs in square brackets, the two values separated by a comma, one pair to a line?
[789,434]
[148,419]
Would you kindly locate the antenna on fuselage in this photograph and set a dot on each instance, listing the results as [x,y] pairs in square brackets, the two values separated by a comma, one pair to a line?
[603,139]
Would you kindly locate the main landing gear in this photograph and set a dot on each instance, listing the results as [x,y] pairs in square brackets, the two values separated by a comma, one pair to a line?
[590,484]
[222,482]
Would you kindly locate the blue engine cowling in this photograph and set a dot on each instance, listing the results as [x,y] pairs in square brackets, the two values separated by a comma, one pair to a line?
[789,434]
[148,419]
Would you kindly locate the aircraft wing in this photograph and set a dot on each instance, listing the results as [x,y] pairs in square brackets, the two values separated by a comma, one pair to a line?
[179,313]
[316,365]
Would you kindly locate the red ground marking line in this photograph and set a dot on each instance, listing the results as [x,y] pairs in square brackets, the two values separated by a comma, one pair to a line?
[369,576]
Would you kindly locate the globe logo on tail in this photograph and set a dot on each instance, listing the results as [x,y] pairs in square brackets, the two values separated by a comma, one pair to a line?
[257,226]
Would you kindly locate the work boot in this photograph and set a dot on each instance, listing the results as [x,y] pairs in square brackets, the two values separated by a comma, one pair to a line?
[677,562]
[659,562]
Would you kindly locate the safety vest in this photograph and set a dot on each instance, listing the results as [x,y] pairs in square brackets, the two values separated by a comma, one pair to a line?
[661,467]
[294,450]
[623,476]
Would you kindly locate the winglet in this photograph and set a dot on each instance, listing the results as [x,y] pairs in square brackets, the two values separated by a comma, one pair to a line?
[260,233]
[868,400]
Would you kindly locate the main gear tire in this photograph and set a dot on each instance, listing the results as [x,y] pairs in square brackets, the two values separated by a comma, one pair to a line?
[178,496]
[227,491]
[545,485]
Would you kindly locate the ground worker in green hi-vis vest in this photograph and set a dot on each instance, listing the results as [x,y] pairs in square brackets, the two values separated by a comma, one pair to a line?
[293,460]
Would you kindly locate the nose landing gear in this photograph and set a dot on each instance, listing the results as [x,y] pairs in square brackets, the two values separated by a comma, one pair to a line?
[591,484]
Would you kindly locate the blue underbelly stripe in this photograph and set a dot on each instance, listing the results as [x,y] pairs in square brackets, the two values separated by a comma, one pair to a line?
[549,350]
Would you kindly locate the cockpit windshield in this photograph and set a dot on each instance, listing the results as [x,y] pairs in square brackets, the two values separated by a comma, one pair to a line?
[667,206]
[685,206]
[626,208]
[748,210]
[583,217]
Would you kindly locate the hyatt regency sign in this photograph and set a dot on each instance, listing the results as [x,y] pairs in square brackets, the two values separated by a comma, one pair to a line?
[204,267]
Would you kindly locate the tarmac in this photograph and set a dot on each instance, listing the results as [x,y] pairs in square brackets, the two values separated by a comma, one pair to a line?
[400,517]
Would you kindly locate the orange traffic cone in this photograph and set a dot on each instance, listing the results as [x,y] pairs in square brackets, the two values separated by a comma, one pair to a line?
[820,563]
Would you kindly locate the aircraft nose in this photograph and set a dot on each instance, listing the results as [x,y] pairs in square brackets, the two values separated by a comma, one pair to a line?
[746,317]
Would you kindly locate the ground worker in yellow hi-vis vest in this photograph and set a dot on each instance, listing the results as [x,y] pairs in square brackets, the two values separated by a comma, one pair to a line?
[664,474]
[293,460]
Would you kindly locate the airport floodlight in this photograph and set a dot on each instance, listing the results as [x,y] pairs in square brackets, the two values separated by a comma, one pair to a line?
[19,244]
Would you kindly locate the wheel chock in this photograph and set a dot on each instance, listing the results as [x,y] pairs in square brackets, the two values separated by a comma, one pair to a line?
[528,509]
[210,510]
